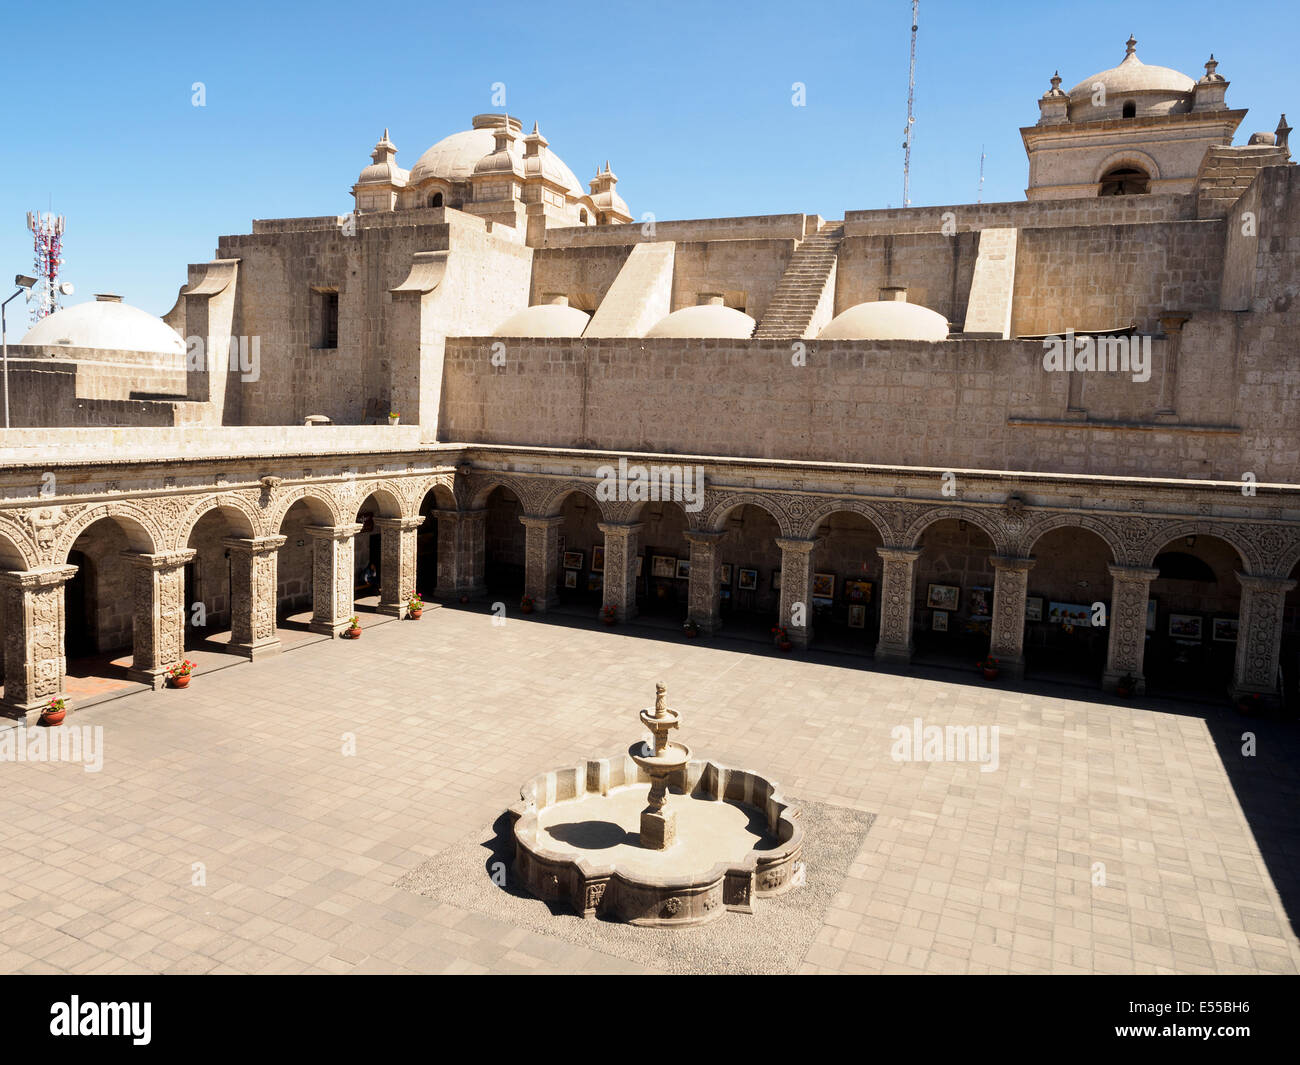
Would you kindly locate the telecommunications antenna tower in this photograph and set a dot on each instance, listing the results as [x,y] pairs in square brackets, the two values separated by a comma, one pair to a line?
[911,119]
[979,198]
[47,231]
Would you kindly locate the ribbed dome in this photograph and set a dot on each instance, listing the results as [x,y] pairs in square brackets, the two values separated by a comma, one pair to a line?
[886,320]
[705,321]
[1133,75]
[544,320]
[453,158]
[106,324]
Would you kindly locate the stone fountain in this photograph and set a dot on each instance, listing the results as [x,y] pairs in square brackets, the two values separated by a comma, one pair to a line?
[704,839]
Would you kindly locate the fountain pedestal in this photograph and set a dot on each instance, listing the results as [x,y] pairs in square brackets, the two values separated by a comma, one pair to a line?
[658,823]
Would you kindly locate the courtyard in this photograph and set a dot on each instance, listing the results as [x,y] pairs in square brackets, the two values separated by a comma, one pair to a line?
[287,815]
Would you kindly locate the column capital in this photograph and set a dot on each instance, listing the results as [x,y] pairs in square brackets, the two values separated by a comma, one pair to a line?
[1265,584]
[899,554]
[254,545]
[795,544]
[541,521]
[1132,573]
[704,536]
[160,560]
[31,579]
[400,523]
[620,528]
[1008,562]
[333,532]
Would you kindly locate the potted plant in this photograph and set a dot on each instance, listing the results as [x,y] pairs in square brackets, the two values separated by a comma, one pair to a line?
[179,674]
[991,667]
[691,629]
[415,605]
[1249,703]
[394,417]
[609,615]
[53,713]
[354,627]
[782,639]
[1126,686]
[526,605]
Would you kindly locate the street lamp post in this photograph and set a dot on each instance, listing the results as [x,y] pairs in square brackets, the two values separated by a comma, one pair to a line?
[24,284]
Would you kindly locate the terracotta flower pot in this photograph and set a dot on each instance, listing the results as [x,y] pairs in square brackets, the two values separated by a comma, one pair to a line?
[181,682]
[1123,691]
[990,674]
[525,608]
[416,613]
[53,717]
[354,633]
[786,646]
[691,634]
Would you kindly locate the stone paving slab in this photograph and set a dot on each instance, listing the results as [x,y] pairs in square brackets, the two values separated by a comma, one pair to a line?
[258,821]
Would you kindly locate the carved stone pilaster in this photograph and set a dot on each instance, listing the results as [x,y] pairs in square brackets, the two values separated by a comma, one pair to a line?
[397,554]
[1259,634]
[622,542]
[35,666]
[1130,590]
[253,594]
[160,614]
[1007,631]
[541,561]
[704,598]
[897,578]
[462,547]
[795,612]
[332,576]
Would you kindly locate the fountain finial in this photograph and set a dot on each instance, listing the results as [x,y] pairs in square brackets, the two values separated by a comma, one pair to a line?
[661,700]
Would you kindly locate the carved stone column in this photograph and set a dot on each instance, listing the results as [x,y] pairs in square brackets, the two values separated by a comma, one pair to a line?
[541,562]
[1007,631]
[1130,590]
[795,613]
[462,547]
[35,666]
[160,614]
[1259,634]
[622,543]
[332,578]
[704,593]
[897,577]
[397,553]
[254,594]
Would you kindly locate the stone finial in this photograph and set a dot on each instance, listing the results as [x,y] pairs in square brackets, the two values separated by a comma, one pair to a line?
[1283,131]
[1211,65]
[661,700]
[1130,46]
[1056,80]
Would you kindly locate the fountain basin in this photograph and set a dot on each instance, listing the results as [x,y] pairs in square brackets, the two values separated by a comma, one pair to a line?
[576,842]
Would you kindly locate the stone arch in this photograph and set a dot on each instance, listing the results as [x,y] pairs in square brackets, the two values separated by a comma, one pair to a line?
[385,493]
[1127,157]
[17,549]
[245,519]
[822,511]
[1038,529]
[721,506]
[554,499]
[137,523]
[484,487]
[322,505]
[1158,541]
[442,490]
[993,530]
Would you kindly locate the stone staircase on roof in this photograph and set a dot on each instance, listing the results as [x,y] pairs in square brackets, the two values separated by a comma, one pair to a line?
[805,296]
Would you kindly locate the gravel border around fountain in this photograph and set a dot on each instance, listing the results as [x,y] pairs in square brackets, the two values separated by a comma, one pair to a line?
[771,940]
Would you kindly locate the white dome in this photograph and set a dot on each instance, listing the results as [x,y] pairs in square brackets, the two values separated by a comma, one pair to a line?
[705,321]
[106,324]
[545,320]
[886,320]
[453,158]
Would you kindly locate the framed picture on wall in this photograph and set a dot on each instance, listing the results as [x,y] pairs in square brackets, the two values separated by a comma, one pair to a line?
[856,591]
[823,586]
[595,582]
[724,572]
[1034,608]
[981,602]
[939,621]
[663,566]
[1185,626]
[1224,630]
[943,597]
[776,579]
[683,569]
[857,616]
[1151,615]
[1069,613]
[747,579]
[573,560]
[598,559]
[570,578]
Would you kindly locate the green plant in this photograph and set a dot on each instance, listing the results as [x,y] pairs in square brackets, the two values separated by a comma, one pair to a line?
[354,622]
[609,613]
[182,669]
[57,705]
[415,601]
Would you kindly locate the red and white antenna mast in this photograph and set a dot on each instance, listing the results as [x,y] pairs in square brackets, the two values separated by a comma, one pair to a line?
[47,229]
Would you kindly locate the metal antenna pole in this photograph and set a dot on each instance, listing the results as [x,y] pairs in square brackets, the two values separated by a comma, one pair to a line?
[911,118]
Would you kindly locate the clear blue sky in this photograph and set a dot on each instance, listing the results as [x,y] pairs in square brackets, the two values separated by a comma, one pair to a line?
[690,102]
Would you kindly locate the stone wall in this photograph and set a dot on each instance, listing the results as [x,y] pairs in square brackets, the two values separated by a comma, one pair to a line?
[1107,211]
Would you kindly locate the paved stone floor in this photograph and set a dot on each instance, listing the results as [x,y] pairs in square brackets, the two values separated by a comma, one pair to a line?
[963,870]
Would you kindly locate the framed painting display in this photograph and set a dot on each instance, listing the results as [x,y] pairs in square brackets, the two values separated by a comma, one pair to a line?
[857,616]
[1034,608]
[939,621]
[1185,626]
[683,569]
[1151,615]
[747,579]
[943,597]
[823,586]
[981,602]
[595,582]
[776,579]
[856,591]
[1224,630]
[725,573]
[663,566]
[570,578]
[598,559]
[1069,613]
[573,560]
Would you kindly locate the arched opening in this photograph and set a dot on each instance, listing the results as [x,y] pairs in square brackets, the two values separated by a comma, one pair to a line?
[294,569]
[368,551]
[208,579]
[750,556]
[1125,180]
[580,574]
[1196,600]
[846,583]
[428,581]
[582,216]
[505,542]
[953,606]
[1071,574]
[435,200]
[663,580]
[1130,109]
[1289,659]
